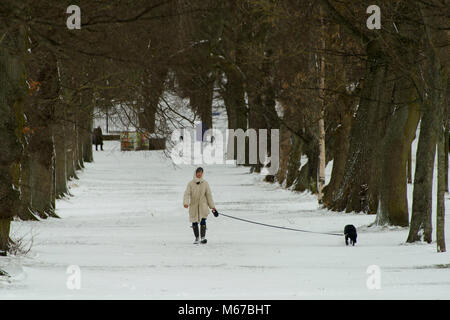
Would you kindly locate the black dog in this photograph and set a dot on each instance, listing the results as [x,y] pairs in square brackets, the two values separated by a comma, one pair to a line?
[350,233]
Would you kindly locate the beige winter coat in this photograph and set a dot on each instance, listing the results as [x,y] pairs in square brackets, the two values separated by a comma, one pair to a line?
[198,197]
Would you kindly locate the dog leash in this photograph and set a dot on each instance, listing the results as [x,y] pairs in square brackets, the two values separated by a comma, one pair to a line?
[216,214]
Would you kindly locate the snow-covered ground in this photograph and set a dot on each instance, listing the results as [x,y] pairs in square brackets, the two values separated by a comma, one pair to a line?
[126,230]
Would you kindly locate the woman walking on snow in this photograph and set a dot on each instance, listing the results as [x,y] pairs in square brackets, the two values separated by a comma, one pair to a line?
[198,198]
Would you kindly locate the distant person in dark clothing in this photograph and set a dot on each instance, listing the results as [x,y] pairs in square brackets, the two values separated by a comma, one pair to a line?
[98,138]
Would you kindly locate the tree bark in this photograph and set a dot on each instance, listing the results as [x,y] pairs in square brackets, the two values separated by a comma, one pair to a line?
[255,116]
[12,93]
[41,153]
[440,216]
[409,164]
[59,138]
[307,176]
[25,211]
[152,90]
[322,155]
[294,160]
[70,134]
[285,149]
[423,180]
[400,131]
[338,171]
[79,137]
[5,225]
[41,116]
[201,99]
[431,123]
[234,99]
[357,191]
[447,142]
[87,134]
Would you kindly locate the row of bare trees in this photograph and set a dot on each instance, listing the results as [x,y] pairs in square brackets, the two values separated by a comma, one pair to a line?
[336,90]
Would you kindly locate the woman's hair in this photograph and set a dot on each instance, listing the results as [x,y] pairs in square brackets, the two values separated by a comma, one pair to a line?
[199,169]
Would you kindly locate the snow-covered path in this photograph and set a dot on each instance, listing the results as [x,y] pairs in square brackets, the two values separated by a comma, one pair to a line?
[127,231]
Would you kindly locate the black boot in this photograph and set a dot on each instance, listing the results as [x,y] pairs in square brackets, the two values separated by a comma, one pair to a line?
[195,228]
[203,233]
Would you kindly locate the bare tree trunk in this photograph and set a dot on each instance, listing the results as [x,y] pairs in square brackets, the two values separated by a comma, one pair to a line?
[447,137]
[41,152]
[63,133]
[341,147]
[12,93]
[306,179]
[87,135]
[255,116]
[79,137]
[285,148]
[357,191]
[233,95]
[153,88]
[294,160]
[59,137]
[41,115]
[71,152]
[440,216]
[430,130]
[409,164]
[423,178]
[87,120]
[71,135]
[5,224]
[201,100]
[234,99]
[25,212]
[269,102]
[322,156]
[401,128]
